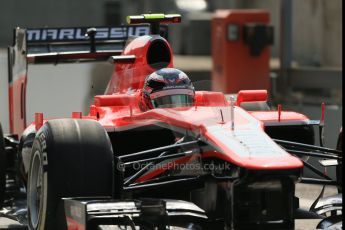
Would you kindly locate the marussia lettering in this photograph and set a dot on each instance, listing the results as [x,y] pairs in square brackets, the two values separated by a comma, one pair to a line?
[68,34]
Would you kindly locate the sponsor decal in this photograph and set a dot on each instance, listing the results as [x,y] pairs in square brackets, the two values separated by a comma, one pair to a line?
[42,139]
[78,34]
[43,142]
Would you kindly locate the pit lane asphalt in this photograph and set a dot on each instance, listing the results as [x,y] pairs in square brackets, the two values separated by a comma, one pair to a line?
[307,193]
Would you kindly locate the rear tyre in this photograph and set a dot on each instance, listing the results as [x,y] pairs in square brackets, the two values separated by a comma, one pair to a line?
[2,168]
[70,158]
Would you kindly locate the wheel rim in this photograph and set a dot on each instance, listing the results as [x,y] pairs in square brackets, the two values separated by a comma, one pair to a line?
[35,189]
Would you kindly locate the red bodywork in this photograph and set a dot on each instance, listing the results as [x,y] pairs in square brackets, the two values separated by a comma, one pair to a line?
[131,76]
[17,81]
[246,146]
[203,120]
[16,92]
[121,111]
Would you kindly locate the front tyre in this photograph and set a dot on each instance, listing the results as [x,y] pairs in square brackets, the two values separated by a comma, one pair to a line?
[70,158]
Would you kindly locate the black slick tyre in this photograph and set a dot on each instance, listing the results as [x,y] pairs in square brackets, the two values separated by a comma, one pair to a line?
[2,168]
[70,158]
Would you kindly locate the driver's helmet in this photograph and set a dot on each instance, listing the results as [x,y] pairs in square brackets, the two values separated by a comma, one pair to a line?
[166,88]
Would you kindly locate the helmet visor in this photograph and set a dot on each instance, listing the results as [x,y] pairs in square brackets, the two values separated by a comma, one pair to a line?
[170,101]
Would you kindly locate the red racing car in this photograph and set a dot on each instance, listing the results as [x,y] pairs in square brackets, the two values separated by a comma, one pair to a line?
[153,152]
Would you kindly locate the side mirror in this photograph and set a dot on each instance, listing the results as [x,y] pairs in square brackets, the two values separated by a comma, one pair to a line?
[251,96]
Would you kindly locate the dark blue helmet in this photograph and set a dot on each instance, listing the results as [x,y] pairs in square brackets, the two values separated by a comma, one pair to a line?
[166,88]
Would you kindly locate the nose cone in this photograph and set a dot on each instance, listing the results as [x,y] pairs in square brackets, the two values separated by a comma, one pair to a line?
[252,149]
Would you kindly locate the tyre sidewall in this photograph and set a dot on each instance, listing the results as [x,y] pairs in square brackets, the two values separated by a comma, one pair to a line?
[39,149]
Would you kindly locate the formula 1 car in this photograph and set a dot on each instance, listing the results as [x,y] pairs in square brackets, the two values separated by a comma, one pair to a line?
[221,163]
